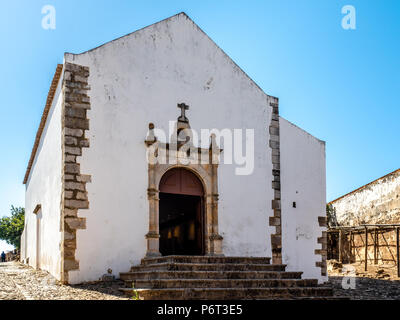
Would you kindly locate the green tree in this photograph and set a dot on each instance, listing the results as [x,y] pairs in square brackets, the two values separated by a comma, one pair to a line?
[11,227]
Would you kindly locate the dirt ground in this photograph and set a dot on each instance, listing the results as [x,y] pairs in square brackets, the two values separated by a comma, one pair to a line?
[380,282]
[20,282]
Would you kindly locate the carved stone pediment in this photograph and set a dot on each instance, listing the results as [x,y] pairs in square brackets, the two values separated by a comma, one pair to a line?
[203,162]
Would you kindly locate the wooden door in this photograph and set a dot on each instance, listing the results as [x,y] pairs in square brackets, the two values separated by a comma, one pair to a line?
[181,190]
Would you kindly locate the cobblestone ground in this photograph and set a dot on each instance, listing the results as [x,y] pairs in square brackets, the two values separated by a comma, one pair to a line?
[378,283]
[19,282]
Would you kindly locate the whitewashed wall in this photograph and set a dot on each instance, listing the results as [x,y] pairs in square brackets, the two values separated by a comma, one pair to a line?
[376,203]
[138,79]
[303,182]
[44,187]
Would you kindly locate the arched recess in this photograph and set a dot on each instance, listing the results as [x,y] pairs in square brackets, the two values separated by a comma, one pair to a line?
[181,213]
[181,181]
[207,176]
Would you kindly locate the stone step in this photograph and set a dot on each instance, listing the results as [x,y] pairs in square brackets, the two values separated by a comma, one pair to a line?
[209,267]
[220,283]
[206,259]
[150,275]
[228,293]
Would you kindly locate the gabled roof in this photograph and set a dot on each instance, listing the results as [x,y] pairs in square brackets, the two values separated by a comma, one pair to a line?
[49,101]
[57,76]
[365,186]
[183,14]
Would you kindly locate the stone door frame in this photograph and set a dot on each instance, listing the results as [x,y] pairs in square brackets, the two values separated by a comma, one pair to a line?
[208,176]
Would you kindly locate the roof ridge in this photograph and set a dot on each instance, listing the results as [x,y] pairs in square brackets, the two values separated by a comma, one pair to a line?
[130,33]
[199,29]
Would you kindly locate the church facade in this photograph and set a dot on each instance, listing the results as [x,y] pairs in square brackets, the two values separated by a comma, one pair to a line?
[157,143]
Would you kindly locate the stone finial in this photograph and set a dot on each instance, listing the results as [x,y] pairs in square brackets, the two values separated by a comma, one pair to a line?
[213,141]
[151,138]
[183,108]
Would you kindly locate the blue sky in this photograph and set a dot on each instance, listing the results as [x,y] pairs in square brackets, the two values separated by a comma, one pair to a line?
[340,85]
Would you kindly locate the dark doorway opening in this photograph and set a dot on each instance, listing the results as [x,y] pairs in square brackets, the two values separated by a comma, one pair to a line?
[180,224]
[181,218]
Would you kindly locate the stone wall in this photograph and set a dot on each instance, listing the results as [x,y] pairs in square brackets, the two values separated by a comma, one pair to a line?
[375,203]
[275,220]
[74,124]
[323,251]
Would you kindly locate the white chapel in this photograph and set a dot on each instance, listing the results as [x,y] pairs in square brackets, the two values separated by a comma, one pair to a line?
[157,144]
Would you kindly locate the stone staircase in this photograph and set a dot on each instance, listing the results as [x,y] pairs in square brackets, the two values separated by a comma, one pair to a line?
[217,278]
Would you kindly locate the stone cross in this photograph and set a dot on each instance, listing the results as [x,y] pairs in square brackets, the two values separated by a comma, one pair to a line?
[183,108]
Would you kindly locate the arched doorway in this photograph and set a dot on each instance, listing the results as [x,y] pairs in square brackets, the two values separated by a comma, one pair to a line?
[181,213]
